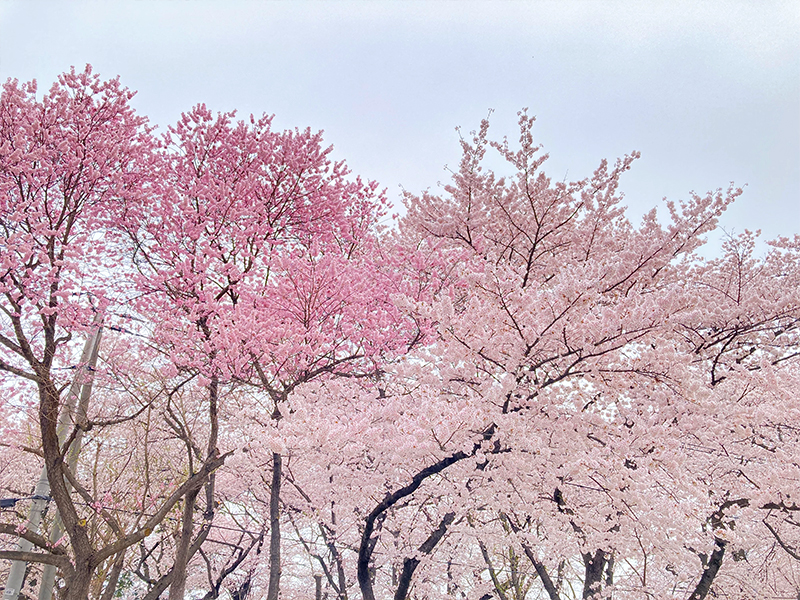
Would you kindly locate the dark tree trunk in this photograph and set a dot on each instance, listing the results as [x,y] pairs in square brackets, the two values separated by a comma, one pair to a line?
[410,564]
[710,571]
[184,551]
[275,529]
[78,584]
[541,571]
[177,588]
[594,566]
[378,514]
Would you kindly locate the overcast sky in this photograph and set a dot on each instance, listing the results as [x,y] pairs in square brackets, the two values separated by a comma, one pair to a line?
[708,92]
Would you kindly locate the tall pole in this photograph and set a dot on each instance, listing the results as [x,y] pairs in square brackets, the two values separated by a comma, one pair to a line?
[41,494]
[16,577]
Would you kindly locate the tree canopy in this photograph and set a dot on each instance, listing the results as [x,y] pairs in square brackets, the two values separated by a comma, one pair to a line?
[240,379]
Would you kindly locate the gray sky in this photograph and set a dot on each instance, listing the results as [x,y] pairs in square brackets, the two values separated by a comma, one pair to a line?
[708,92]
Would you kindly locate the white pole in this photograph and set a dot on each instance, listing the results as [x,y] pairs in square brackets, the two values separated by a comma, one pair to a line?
[16,576]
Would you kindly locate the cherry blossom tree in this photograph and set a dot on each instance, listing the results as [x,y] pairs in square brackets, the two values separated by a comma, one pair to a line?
[514,393]
[257,255]
[572,327]
[263,263]
[71,164]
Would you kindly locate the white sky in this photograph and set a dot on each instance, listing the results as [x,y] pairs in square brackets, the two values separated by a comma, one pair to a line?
[708,92]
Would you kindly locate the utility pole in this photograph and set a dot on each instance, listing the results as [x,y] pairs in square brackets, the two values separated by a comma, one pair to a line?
[16,576]
[41,496]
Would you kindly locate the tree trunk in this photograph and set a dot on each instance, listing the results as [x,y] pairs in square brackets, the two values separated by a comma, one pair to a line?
[541,571]
[80,416]
[80,580]
[184,551]
[376,516]
[82,383]
[160,586]
[275,529]
[498,588]
[709,571]
[177,588]
[410,564]
[78,585]
[594,565]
